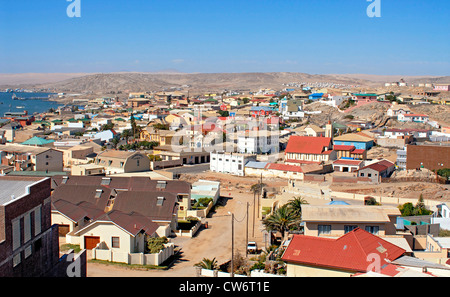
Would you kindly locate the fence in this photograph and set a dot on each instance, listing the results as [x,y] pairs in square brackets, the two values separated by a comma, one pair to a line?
[133,258]
[189,233]
[436,179]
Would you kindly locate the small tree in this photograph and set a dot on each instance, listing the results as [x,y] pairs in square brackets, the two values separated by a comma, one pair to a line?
[156,244]
[207,264]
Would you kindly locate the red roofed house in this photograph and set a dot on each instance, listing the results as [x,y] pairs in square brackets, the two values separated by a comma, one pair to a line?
[377,170]
[357,251]
[344,165]
[349,151]
[283,171]
[308,149]
[412,117]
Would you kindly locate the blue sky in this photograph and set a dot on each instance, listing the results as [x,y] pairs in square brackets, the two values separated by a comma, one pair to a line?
[313,36]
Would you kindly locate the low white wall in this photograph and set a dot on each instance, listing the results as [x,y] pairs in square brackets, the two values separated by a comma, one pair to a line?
[254,273]
[134,258]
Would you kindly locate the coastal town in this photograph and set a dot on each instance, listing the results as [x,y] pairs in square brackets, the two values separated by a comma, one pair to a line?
[303,179]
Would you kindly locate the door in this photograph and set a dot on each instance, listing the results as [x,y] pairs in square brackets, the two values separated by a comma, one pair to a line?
[91,242]
[63,230]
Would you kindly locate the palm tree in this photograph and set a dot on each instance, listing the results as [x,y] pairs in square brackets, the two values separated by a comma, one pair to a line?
[207,264]
[282,219]
[296,204]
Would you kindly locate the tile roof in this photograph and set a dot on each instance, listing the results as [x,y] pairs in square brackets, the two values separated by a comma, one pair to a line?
[307,144]
[354,251]
[338,147]
[283,167]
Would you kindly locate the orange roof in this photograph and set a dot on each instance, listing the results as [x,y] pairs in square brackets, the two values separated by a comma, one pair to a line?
[307,144]
[351,251]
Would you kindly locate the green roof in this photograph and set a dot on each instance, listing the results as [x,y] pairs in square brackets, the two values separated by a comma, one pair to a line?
[37,141]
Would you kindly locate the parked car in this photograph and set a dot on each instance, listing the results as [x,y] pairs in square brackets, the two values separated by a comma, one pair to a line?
[252,247]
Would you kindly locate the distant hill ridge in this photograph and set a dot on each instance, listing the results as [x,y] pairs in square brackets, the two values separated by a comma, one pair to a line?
[140,81]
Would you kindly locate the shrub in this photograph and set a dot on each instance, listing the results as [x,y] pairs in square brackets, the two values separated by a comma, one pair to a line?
[156,244]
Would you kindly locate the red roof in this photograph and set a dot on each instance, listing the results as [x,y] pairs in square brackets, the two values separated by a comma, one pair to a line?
[307,144]
[347,162]
[338,147]
[415,115]
[355,251]
[359,151]
[283,167]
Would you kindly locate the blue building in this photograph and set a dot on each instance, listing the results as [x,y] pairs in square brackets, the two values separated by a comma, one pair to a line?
[356,140]
[315,96]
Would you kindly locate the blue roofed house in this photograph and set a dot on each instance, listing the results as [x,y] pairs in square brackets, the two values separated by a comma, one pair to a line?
[38,141]
[354,139]
[315,96]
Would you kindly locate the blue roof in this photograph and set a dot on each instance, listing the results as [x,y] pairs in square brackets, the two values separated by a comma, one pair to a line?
[37,141]
[255,164]
[265,108]
[337,203]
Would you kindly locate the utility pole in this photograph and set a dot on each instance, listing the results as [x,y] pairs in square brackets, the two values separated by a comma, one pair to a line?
[246,235]
[254,203]
[232,245]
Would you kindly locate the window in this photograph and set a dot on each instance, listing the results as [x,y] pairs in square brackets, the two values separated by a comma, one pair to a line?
[348,228]
[37,221]
[27,227]
[160,201]
[324,229]
[372,229]
[115,242]
[137,163]
[16,234]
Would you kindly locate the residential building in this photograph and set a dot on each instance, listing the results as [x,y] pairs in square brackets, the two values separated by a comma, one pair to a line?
[122,161]
[344,165]
[352,253]
[430,156]
[311,130]
[397,109]
[401,159]
[259,111]
[377,170]
[29,158]
[233,163]
[163,137]
[87,169]
[442,87]
[365,97]
[181,189]
[258,142]
[412,117]
[349,152]
[29,244]
[337,220]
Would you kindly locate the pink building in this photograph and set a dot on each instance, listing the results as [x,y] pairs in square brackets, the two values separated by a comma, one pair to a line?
[442,87]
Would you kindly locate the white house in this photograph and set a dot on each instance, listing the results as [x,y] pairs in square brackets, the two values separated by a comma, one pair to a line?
[258,142]
[413,117]
[229,162]
[397,109]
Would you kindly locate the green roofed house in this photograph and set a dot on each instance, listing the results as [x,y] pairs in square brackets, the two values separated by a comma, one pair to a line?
[365,97]
[38,141]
